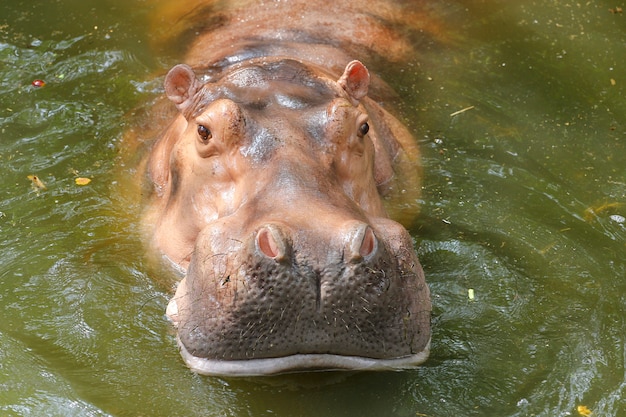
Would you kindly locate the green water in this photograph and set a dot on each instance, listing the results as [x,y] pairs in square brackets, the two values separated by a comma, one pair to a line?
[524,203]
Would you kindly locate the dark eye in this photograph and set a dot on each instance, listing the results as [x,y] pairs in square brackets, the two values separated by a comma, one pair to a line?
[363,129]
[204,133]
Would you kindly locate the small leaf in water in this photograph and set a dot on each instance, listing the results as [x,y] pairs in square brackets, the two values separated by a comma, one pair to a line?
[470,294]
[583,410]
[602,210]
[38,83]
[37,183]
[82,181]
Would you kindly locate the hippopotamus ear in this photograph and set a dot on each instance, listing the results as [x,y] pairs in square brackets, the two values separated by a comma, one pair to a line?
[355,81]
[181,85]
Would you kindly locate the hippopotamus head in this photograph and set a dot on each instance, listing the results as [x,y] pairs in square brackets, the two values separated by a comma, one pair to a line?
[268,197]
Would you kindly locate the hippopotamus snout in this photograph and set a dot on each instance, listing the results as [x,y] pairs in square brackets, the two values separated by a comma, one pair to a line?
[358,239]
[275,291]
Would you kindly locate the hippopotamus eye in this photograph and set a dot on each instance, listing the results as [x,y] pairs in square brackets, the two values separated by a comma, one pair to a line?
[204,133]
[363,129]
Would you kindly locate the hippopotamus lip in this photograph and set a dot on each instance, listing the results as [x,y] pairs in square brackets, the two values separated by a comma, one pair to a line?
[298,363]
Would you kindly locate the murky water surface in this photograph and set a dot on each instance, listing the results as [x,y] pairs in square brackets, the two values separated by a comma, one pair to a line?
[524,206]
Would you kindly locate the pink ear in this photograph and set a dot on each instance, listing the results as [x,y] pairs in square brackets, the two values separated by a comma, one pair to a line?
[181,85]
[355,81]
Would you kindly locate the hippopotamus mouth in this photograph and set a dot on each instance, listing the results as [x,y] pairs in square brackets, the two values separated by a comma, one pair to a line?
[298,363]
[278,312]
[268,187]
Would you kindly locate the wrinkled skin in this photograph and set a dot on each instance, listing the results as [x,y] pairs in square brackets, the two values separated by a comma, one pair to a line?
[268,190]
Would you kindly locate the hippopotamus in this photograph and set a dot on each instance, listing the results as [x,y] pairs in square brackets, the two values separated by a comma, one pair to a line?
[272,190]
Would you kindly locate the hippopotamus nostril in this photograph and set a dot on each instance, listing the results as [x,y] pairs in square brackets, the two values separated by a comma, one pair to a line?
[369,243]
[271,242]
[362,243]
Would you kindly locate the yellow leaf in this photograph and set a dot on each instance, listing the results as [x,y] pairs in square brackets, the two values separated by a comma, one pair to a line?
[605,209]
[37,183]
[82,181]
[583,410]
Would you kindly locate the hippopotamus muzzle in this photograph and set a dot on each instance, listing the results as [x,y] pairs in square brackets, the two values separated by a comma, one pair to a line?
[269,184]
[269,300]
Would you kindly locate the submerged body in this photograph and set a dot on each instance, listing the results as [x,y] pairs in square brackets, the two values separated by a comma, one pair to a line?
[268,194]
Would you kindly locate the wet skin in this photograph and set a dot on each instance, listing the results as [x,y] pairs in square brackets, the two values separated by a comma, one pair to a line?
[268,194]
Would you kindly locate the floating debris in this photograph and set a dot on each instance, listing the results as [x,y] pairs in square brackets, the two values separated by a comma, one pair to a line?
[82,181]
[38,83]
[461,111]
[602,210]
[36,182]
[584,411]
